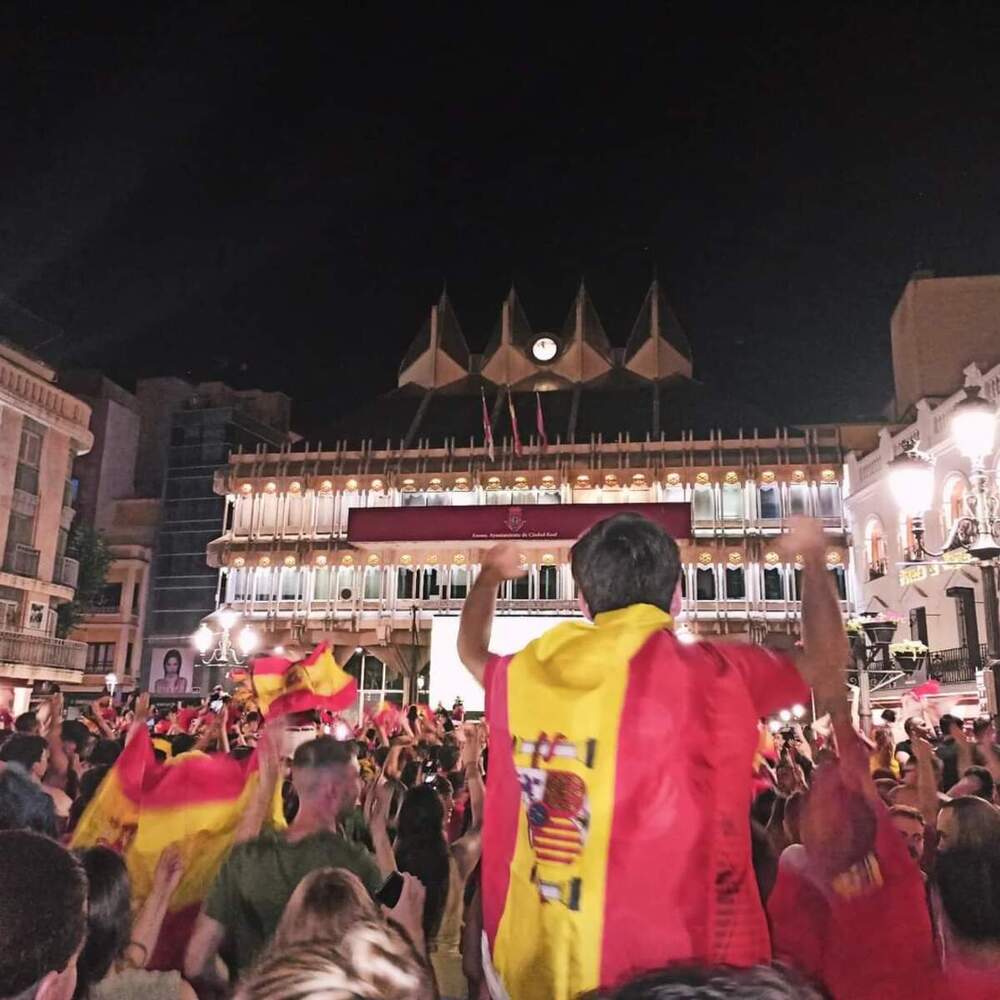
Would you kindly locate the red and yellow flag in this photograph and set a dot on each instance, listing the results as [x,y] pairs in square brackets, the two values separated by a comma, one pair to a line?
[616,834]
[194,801]
[282,686]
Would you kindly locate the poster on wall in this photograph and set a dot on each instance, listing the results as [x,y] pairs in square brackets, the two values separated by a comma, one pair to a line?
[171,670]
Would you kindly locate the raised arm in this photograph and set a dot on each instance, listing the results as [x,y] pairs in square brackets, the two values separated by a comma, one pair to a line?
[825,651]
[468,848]
[50,715]
[149,920]
[500,563]
[269,765]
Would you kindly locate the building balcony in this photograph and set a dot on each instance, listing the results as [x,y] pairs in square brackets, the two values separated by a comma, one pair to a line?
[24,649]
[21,560]
[66,571]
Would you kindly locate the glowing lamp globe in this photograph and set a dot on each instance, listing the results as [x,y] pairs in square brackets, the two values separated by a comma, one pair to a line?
[911,479]
[203,639]
[227,618]
[973,425]
[247,640]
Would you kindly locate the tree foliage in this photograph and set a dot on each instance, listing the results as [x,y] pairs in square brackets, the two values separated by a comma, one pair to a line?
[86,544]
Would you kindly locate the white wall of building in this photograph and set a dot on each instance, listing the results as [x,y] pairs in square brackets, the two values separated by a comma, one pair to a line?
[869,503]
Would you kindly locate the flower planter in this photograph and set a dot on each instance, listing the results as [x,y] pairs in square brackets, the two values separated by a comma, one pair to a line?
[880,632]
[908,662]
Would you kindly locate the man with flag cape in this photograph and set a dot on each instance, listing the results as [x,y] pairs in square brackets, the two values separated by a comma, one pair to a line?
[616,832]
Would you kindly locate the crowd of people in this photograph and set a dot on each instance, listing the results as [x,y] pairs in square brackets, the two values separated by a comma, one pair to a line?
[424,855]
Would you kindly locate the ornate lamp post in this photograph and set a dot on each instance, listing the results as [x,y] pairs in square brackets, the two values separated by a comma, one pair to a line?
[977,530]
[218,650]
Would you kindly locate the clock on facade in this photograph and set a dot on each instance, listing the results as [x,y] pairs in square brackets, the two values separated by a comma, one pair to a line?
[544,349]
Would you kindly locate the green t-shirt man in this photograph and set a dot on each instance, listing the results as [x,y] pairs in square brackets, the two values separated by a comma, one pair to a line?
[258,878]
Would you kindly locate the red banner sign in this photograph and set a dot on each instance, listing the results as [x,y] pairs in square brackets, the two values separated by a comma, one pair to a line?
[530,522]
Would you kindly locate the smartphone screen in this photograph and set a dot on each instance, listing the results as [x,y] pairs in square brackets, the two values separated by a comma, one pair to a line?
[391,890]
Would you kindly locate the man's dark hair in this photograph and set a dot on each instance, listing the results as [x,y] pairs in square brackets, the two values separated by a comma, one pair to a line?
[888,715]
[968,883]
[104,752]
[74,731]
[448,757]
[324,751]
[24,750]
[980,725]
[26,722]
[24,806]
[181,743]
[40,930]
[623,560]
[700,982]
[985,779]
[947,721]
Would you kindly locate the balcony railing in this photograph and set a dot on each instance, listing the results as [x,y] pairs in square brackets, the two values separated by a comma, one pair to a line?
[22,560]
[40,651]
[953,666]
[67,571]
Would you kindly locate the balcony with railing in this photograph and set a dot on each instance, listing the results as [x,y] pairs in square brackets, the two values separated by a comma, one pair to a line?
[955,666]
[25,649]
[66,571]
[22,560]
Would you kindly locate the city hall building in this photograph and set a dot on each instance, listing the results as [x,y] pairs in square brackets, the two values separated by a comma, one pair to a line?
[371,543]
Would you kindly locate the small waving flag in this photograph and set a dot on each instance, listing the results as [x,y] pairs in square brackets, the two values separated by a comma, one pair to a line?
[513,423]
[487,428]
[540,422]
[282,686]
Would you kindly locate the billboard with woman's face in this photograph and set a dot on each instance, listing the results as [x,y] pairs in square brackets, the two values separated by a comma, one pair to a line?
[171,670]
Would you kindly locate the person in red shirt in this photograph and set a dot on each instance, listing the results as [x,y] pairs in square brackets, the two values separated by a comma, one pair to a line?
[672,878]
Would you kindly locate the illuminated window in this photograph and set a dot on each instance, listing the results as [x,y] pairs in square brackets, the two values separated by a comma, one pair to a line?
[875,550]
[732,501]
[703,505]
[907,540]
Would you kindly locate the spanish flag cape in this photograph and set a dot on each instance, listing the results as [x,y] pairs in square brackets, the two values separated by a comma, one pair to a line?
[616,834]
[194,801]
[282,686]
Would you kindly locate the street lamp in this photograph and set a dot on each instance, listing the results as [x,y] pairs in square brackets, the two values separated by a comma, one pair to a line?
[218,649]
[111,682]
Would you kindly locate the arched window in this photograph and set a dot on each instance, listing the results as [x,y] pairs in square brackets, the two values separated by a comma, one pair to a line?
[703,504]
[705,583]
[736,589]
[875,552]
[840,581]
[548,583]
[774,589]
[770,502]
[953,501]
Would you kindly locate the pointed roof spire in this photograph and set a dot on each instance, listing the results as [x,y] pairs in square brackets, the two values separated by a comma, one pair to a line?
[658,324]
[585,325]
[512,327]
[439,352]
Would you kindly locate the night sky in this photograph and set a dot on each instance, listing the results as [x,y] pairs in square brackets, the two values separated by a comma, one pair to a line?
[275,199]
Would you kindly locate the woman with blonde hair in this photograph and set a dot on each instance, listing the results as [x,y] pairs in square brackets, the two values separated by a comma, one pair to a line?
[325,905]
[373,961]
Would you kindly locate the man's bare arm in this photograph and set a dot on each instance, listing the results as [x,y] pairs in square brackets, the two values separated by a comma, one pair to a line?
[200,965]
[500,563]
[825,651]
